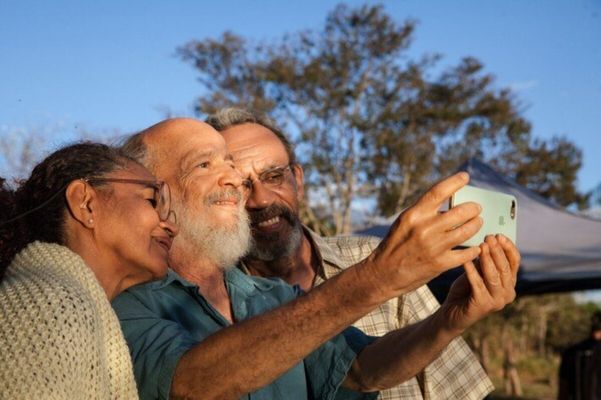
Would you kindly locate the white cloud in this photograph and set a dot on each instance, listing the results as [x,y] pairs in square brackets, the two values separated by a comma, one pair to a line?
[523,86]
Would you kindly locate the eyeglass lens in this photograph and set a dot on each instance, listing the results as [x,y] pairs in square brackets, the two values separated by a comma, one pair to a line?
[163,201]
[274,177]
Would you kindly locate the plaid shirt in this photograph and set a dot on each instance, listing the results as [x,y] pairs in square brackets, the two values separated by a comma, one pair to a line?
[455,374]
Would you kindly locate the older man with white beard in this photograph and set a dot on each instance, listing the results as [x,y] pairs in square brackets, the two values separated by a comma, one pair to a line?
[209,331]
[207,239]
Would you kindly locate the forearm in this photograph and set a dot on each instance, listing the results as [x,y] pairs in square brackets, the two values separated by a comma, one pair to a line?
[475,294]
[400,355]
[249,355]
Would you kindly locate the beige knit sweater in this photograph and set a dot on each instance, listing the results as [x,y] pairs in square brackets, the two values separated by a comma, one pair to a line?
[59,337]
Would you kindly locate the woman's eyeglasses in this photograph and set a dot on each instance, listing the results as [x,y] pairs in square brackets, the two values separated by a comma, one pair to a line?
[161,197]
[162,194]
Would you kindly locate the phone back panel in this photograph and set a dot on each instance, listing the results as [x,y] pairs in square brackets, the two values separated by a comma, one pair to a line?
[499,212]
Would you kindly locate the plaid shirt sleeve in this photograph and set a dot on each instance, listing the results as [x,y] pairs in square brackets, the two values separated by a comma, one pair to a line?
[455,374]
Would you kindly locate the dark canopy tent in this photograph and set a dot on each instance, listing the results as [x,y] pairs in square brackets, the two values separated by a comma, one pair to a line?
[560,251]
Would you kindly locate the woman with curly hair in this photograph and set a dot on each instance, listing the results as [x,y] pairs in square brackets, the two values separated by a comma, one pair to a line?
[87,224]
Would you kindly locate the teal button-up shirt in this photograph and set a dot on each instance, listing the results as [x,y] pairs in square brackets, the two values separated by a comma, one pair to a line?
[162,320]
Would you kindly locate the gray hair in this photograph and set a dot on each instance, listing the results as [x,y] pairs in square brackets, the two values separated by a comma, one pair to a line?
[134,147]
[230,116]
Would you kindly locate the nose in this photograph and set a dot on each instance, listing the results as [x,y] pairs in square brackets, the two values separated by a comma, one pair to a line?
[230,176]
[170,226]
[260,196]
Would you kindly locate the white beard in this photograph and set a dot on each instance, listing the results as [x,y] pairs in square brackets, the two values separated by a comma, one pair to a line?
[223,245]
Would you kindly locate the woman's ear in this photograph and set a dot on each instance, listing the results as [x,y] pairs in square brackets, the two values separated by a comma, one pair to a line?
[81,199]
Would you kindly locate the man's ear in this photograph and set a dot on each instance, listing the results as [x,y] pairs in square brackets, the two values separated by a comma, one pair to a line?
[299,178]
[81,200]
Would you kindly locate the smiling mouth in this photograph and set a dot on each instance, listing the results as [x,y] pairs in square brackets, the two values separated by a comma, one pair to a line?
[271,225]
[272,221]
[164,243]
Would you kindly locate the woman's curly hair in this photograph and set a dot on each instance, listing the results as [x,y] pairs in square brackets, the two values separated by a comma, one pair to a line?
[36,210]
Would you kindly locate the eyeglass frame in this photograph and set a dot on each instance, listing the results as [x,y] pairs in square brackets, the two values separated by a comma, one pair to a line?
[157,185]
[249,182]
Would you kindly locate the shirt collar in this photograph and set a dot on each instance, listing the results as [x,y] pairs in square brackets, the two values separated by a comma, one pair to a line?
[322,249]
[233,276]
[247,284]
[171,277]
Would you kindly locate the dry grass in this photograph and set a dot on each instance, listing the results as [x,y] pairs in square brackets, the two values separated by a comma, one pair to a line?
[538,377]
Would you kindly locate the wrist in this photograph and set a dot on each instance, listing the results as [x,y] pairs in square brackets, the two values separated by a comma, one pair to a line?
[376,287]
[447,321]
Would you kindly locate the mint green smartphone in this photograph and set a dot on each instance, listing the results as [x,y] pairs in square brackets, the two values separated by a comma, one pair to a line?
[499,212]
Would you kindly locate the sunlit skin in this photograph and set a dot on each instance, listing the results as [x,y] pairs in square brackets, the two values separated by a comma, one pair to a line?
[191,156]
[256,149]
[117,231]
[420,245]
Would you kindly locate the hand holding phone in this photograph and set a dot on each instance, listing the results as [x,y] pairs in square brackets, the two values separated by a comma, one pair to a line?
[499,213]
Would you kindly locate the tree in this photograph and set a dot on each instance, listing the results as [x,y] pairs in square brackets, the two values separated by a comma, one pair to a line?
[550,168]
[595,196]
[231,71]
[522,343]
[455,117]
[368,120]
[22,148]
[19,151]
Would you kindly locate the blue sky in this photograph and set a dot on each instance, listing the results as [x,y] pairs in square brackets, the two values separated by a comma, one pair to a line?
[111,65]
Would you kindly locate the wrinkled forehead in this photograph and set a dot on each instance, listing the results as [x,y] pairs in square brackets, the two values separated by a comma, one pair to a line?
[195,154]
[254,148]
[175,145]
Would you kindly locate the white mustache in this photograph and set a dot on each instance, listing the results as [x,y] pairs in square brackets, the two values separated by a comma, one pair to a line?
[227,194]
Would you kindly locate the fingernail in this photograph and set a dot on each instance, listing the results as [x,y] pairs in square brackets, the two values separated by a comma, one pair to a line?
[501,238]
[464,175]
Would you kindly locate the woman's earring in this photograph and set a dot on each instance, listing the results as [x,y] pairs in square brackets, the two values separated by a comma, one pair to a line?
[91,221]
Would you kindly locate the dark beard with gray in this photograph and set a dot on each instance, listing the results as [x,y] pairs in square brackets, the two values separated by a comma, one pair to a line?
[270,246]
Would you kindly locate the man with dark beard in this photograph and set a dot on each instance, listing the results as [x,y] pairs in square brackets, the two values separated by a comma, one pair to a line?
[210,331]
[283,247]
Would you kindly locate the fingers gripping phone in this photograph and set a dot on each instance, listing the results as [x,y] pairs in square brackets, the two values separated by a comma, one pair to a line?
[499,212]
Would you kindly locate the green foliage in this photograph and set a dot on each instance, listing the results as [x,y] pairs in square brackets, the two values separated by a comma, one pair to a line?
[540,328]
[570,323]
[229,72]
[369,121]
[595,196]
[550,168]
[455,117]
